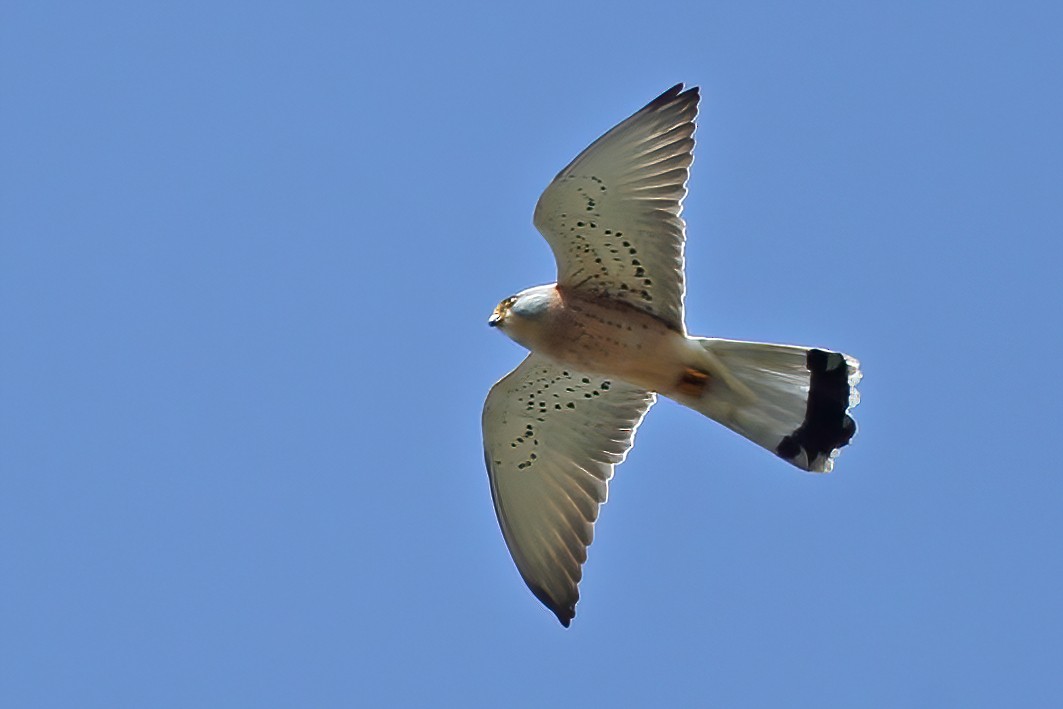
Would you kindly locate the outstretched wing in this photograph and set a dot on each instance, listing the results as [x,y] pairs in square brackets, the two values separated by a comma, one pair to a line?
[552,437]
[612,216]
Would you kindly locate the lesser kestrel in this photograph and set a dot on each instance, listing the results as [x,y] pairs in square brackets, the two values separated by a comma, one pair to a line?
[609,337]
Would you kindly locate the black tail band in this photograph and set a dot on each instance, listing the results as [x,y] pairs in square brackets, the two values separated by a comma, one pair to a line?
[827,426]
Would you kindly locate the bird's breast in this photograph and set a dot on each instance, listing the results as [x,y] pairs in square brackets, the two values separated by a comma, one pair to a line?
[612,338]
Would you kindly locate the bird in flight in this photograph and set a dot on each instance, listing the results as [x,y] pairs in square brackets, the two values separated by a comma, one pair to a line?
[609,337]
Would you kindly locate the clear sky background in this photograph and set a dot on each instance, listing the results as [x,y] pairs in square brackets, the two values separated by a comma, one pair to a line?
[248,254]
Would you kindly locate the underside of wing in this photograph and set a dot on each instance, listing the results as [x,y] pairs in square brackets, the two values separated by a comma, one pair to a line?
[612,216]
[552,437]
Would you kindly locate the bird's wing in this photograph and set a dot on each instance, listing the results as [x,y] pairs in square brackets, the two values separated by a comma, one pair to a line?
[552,437]
[612,217]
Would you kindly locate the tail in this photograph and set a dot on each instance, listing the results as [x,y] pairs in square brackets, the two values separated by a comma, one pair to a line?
[794,401]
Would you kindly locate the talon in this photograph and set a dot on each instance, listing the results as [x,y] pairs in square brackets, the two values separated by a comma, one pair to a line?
[692,383]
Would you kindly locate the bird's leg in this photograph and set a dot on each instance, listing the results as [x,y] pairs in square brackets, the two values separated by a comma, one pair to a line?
[692,383]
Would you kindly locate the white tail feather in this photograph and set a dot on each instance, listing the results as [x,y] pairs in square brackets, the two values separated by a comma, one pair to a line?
[794,401]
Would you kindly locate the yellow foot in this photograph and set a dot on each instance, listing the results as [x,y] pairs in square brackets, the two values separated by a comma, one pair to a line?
[692,383]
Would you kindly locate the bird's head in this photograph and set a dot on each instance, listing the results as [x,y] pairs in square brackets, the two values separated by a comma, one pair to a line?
[498,317]
[521,314]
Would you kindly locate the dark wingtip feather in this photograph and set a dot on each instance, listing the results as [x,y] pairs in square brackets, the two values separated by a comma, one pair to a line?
[674,94]
[565,612]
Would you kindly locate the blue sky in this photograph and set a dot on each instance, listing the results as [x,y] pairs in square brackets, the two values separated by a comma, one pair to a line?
[247,254]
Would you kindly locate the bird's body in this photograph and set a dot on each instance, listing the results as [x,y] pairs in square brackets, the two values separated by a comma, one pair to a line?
[609,336]
[604,337]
